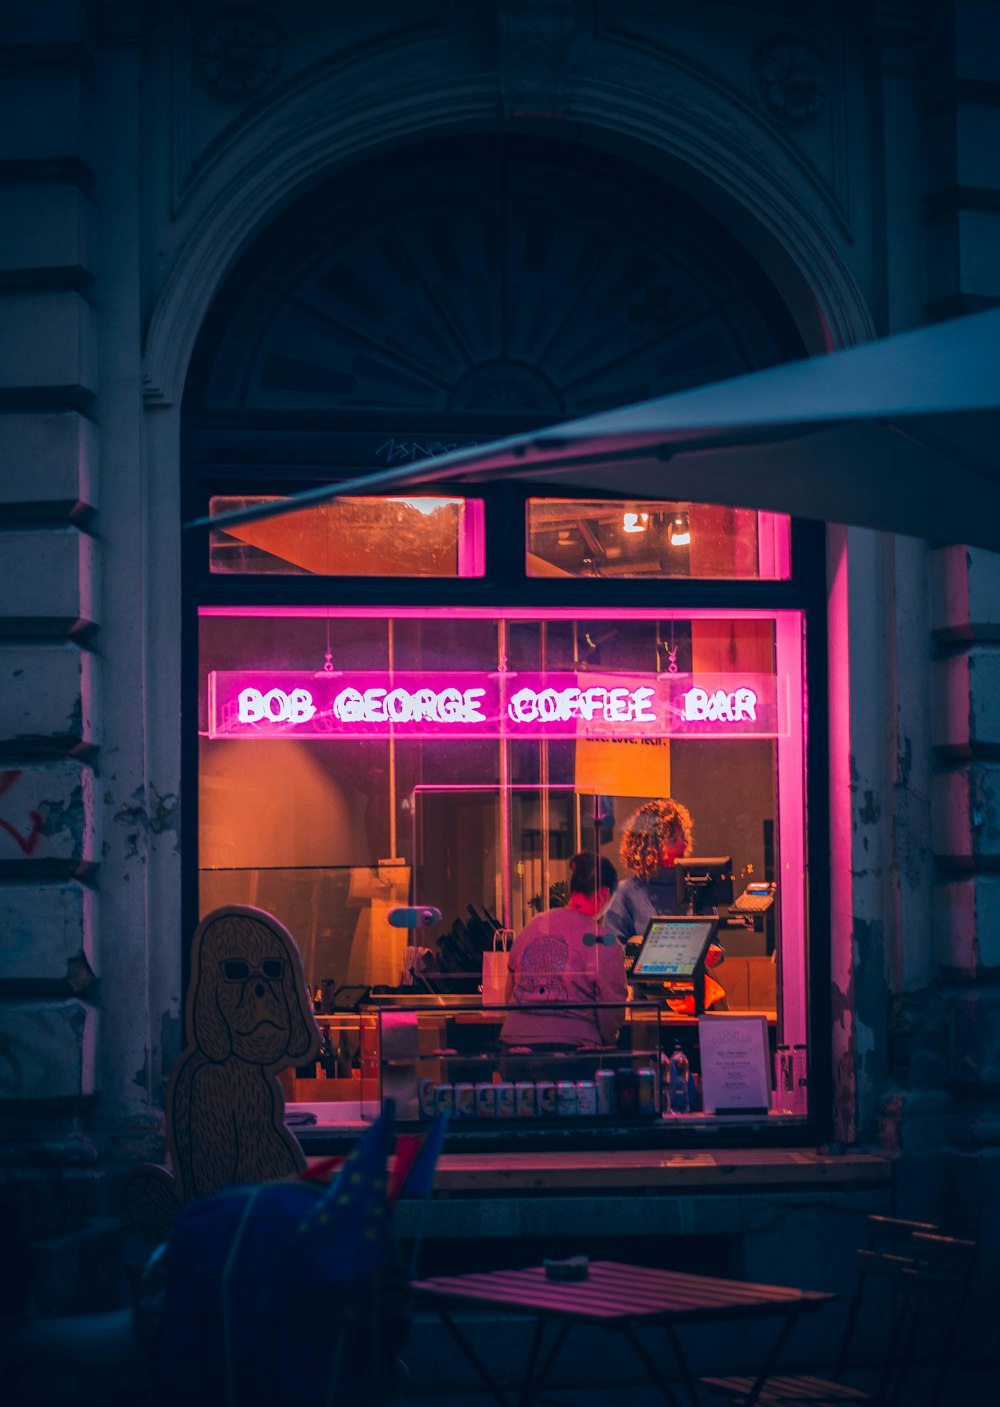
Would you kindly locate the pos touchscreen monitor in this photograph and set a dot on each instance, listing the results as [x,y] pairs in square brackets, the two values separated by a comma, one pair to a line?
[674,947]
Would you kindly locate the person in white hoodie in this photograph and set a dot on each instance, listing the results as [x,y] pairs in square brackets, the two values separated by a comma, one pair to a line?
[563,966]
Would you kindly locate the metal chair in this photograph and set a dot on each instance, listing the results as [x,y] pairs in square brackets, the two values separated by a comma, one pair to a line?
[929,1277]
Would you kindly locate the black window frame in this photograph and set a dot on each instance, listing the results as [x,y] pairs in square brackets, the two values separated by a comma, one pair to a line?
[280,452]
[505,584]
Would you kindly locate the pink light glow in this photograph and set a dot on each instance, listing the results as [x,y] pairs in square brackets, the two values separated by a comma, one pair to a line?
[436,704]
[483,613]
[774,546]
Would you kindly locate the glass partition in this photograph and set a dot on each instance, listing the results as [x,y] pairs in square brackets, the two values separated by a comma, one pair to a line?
[419,536]
[629,539]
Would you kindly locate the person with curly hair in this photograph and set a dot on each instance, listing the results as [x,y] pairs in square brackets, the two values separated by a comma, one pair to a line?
[655,837]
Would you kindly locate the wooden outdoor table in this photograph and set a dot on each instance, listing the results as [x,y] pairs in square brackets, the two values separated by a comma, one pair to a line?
[615,1297]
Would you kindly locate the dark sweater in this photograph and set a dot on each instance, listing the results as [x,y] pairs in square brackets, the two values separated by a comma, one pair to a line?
[636,901]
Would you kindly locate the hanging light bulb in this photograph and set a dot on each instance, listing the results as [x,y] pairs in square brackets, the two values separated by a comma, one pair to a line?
[680,529]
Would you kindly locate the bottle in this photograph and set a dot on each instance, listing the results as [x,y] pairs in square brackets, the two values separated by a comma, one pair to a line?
[678,1081]
[328,1056]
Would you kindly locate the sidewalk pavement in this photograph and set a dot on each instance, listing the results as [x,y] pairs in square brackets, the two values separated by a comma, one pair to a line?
[597,1369]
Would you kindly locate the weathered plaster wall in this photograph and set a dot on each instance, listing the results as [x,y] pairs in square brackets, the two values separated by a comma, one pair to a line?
[50,580]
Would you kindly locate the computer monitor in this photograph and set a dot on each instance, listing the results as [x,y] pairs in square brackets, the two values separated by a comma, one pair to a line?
[704,883]
[674,947]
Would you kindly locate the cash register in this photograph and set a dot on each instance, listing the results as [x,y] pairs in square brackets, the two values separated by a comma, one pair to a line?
[705,885]
[672,956]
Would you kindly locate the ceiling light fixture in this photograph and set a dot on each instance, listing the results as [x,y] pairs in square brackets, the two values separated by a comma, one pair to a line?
[680,530]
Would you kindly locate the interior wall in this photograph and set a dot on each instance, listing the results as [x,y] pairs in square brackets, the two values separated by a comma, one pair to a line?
[729,789]
[268,805]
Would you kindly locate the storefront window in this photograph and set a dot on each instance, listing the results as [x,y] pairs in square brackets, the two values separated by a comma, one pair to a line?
[657,540]
[354,760]
[403,705]
[418,536]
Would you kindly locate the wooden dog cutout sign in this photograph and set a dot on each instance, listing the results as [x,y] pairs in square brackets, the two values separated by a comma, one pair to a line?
[248,1016]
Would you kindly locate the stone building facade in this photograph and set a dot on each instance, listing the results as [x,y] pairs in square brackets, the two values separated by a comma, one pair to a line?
[849,150]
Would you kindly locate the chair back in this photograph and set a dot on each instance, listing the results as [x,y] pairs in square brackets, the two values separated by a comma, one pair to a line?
[928,1277]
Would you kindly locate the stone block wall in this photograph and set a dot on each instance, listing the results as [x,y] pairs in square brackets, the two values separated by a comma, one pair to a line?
[944,1036]
[49,593]
[943,1111]
[966,626]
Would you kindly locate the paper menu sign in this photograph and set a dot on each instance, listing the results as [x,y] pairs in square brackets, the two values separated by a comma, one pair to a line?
[623,766]
[735,1063]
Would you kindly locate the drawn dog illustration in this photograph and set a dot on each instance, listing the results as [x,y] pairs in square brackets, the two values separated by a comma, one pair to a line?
[248,1016]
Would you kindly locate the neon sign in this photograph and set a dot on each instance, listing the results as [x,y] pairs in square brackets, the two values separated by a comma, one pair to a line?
[432,704]
[276,706]
[720,707]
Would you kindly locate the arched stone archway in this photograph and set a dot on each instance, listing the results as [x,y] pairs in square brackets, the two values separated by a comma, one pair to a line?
[483,283]
[746,178]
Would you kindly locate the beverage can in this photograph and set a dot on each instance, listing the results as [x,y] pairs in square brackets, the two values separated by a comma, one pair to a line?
[566,1098]
[586,1098]
[627,1091]
[465,1101]
[545,1097]
[505,1100]
[646,1100]
[444,1098]
[425,1096]
[524,1099]
[604,1085]
[486,1101]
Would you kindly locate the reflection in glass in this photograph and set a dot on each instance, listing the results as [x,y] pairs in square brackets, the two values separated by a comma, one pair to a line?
[620,538]
[407,537]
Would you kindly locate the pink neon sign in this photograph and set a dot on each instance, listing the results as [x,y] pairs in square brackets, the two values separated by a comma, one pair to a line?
[435,705]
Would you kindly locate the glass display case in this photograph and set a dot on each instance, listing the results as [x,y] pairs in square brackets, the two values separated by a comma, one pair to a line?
[429,1052]
[334,1077]
[429,1055]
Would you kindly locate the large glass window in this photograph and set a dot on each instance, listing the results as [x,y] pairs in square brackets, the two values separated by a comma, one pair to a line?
[453,742]
[354,760]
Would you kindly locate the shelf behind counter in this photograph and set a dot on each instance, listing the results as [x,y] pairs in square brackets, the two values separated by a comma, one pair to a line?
[451,1038]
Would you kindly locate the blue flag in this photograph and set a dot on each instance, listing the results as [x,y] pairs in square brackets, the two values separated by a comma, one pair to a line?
[288,1291]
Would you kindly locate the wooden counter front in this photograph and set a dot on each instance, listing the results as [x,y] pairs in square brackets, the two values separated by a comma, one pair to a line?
[651,1169]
